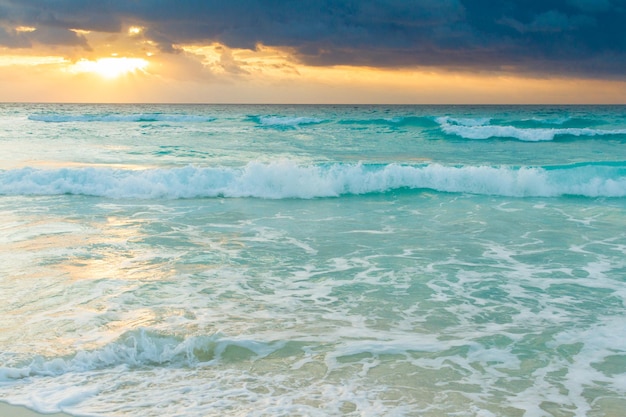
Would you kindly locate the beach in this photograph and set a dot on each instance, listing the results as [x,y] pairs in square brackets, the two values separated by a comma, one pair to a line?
[7,410]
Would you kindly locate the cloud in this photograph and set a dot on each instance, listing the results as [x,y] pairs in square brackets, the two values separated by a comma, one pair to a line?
[591,5]
[575,37]
[58,36]
[44,35]
[551,21]
[13,39]
[99,16]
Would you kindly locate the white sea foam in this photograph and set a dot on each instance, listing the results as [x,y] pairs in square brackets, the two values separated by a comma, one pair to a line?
[283,121]
[280,180]
[139,348]
[120,117]
[550,121]
[404,303]
[463,121]
[480,129]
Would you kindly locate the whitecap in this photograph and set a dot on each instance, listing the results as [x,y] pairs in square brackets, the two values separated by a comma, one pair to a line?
[480,129]
[283,180]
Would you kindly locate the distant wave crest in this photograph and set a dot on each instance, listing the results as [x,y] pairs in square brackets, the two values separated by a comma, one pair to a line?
[482,129]
[286,121]
[280,180]
[476,128]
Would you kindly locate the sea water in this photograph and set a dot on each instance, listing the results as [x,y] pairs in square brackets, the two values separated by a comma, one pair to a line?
[213,260]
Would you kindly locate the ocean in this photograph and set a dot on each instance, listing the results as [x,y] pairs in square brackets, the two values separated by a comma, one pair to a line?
[274,260]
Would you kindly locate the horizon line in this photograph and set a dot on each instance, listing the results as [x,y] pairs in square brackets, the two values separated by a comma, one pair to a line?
[192,103]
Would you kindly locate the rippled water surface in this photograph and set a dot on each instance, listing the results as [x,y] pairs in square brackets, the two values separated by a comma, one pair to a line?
[313,260]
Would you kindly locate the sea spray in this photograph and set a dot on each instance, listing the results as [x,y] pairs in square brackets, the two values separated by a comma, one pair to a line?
[280,180]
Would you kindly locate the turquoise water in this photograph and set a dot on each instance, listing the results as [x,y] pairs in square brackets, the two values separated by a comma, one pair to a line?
[313,260]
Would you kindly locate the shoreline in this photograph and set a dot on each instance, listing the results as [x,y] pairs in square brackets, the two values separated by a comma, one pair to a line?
[9,410]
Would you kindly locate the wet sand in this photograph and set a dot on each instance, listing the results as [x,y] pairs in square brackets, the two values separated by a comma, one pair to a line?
[7,410]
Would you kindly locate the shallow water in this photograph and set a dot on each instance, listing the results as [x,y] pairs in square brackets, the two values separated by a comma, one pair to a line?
[313,260]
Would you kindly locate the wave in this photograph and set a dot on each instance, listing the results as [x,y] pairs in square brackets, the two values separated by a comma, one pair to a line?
[564,122]
[481,129]
[397,121]
[297,121]
[146,348]
[111,118]
[530,130]
[141,348]
[283,180]
[285,121]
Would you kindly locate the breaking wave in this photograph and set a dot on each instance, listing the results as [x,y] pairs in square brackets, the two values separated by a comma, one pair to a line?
[285,121]
[141,348]
[282,180]
[482,129]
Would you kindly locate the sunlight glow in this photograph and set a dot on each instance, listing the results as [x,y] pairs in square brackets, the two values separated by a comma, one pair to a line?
[134,30]
[25,29]
[110,67]
[27,60]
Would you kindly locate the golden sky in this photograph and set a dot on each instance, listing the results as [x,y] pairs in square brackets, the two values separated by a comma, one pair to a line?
[129,67]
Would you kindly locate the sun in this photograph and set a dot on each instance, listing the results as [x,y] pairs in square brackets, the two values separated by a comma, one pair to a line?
[110,67]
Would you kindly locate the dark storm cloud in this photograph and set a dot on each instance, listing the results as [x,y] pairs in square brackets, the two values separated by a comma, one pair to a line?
[13,39]
[578,37]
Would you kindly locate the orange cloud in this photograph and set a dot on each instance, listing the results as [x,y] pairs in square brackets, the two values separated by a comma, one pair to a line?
[127,67]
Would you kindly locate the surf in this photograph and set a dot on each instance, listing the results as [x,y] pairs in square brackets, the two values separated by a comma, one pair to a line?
[482,128]
[287,180]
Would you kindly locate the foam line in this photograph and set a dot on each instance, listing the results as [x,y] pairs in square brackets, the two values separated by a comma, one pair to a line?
[279,180]
[480,129]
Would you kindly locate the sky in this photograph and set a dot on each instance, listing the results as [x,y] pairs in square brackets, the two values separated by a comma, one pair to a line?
[313,51]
